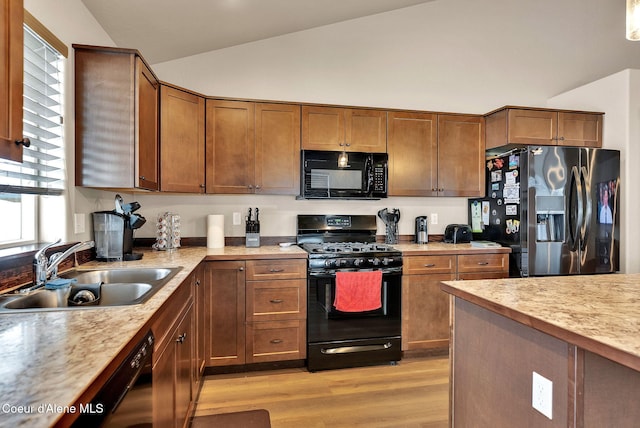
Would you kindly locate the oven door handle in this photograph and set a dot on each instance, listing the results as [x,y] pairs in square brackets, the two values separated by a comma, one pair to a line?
[352,349]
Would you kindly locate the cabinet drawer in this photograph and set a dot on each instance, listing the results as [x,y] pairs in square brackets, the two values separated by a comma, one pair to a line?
[276,300]
[276,341]
[483,262]
[420,265]
[276,269]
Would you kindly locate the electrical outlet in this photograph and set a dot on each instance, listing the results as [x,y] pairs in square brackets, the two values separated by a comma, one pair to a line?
[237,220]
[434,218]
[542,395]
[78,223]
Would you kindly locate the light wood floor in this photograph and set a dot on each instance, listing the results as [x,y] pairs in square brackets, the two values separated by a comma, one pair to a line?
[415,393]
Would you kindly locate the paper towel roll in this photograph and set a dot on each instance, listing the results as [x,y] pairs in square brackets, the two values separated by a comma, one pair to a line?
[215,231]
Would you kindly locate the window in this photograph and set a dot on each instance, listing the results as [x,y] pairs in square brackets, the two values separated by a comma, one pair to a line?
[42,169]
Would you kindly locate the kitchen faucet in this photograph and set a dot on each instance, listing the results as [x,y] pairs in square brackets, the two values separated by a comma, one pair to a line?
[44,269]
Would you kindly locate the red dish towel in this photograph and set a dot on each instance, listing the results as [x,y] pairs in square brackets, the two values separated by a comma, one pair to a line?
[358,291]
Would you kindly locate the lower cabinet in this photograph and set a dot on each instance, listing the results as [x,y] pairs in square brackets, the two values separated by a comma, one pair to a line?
[425,307]
[173,366]
[256,311]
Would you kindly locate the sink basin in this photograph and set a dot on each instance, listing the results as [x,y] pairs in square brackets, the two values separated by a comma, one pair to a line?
[106,287]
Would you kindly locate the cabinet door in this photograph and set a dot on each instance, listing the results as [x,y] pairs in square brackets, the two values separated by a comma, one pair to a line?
[579,129]
[147,127]
[181,141]
[277,146]
[230,146]
[425,312]
[11,65]
[535,127]
[461,155]
[225,332]
[323,128]
[201,312]
[413,154]
[366,130]
[164,404]
[184,343]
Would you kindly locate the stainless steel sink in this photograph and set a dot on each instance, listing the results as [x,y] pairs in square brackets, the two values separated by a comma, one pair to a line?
[93,289]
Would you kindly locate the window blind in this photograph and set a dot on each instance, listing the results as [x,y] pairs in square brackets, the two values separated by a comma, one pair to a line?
[42,169]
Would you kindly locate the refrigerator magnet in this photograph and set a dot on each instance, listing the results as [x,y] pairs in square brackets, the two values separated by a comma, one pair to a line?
[511,209]
[514,161]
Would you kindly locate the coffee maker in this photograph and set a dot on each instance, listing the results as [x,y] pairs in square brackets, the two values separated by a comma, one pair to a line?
[422,237]
[113,232]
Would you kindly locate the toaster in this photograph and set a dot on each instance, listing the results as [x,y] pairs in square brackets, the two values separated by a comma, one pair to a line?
[457,233]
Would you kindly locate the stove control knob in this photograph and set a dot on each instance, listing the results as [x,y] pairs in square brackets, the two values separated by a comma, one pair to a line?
[387,260]
[343,262]
[358,262]
[375,261]
[329,263]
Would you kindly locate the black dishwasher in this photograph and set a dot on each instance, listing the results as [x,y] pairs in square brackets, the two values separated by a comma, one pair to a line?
[125,400]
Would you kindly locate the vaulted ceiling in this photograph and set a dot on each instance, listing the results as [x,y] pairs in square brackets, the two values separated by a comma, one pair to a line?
[163,30]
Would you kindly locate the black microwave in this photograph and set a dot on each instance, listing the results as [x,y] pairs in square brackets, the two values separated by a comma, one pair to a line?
[343,175]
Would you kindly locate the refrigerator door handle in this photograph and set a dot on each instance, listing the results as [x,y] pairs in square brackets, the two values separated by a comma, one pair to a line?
[575,229]
[586,223]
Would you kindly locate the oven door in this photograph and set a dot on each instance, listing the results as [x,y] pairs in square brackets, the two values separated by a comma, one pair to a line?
[370,336]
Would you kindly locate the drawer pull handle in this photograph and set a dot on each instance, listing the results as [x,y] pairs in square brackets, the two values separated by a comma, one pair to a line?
[483,263]
[276,341]
[430,265]
[276,270]
[276,300]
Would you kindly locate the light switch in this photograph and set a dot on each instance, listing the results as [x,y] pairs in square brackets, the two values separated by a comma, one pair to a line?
[78,223]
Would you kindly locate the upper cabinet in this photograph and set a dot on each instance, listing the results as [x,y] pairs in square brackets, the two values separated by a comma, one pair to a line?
[337,129]
[11,66]
[435,154]
[252,147]
[182,161]
[529,126]
[413,154]
[116,108]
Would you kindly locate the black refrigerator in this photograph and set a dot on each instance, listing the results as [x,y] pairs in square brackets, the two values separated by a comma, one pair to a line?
[556,207]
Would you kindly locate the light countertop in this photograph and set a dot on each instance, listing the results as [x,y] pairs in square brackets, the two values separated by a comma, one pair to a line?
[51,357]
[599,313]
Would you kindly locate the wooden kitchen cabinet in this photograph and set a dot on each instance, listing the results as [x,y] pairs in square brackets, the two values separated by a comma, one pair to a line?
[425,307]
[182,161]
[252,147]
[339,128]
[173,360]
[268,320]
[11,75]
[435,154]
[116,119]
[225,299]
[533,126]
[201,311]
[461,155]
[413,154]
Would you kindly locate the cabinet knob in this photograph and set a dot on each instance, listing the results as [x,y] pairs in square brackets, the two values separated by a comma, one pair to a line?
[561,138]
[202,186]
[348,144]
[250,186]
[197,282]
[181,338]
[241,268]
[258,187]
[25,142]
[142,177]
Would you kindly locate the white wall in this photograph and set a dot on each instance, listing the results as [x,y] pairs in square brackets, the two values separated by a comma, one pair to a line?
[446,55]
[618,96]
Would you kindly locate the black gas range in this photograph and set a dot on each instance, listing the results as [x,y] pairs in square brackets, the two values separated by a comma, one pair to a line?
[340,245]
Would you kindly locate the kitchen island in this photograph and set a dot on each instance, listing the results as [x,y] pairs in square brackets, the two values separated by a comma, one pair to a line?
[579,332]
